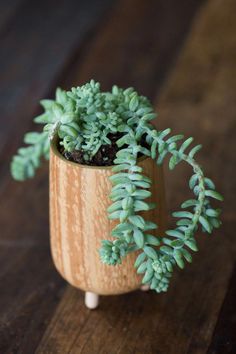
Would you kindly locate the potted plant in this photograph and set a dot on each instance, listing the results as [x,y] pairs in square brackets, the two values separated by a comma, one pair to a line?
[107,192]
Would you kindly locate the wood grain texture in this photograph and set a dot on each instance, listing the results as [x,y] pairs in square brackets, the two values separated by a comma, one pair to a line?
[7,11]
[37,40]
[136,45]
[79,198]
[224,338]
[38,311]
[198,99]
[43,36]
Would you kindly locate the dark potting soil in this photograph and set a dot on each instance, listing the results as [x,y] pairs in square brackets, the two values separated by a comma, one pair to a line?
[104,157]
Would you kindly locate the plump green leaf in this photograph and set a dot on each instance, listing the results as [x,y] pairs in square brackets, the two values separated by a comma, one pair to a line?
[148,117]
[119,180]
[161,157]
[184,222]
[178,258]
[149,225]
[164,133]
[205,223]
[142,184]
[186,255]
[127,203]
[179,262]
[213,212]
[152,240]
[194,151]
[69,130]
[141,194]
[32,138]
[209,183]
[139,205]
[154,283]
[189,203]
[124,214]
[119,168]
[124,227]
[175,138]
[150,252]
[185,145]
[192,245]
[182,214]
[154,149]
[67,118]
[138,238]
[133,105]
[125,140]
[138,221]
[167,250]
[115,206]
[118,194]
[43,118]
[193,180]
[140,259]
[214,194]
[174,233]
[177,243]
[114,215]
[142,268]
[148,276]
[215,222]
[172,162]
[47,104]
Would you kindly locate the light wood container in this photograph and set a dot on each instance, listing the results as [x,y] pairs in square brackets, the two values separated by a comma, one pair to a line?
[79,198]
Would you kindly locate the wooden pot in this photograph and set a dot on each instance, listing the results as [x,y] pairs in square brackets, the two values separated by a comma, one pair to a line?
[79,198]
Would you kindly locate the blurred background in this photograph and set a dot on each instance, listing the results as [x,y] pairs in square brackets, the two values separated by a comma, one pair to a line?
[182,55]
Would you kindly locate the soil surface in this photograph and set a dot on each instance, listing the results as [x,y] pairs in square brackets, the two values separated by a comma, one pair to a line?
[104,157]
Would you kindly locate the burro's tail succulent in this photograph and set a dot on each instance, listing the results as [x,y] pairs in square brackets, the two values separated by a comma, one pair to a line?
[85,119]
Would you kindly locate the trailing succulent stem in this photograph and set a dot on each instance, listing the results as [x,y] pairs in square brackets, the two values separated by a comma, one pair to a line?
[157,263]
[84,119]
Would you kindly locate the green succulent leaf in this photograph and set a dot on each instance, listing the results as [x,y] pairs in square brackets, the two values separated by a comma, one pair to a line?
[152,240]
[205,223]
[148,276]
[140,259]
[214,194]
[138,221]
[142,268]
[194,150]
[138,238]
[150,252]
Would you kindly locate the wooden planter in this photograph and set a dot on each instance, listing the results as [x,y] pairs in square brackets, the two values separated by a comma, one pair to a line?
[79,198]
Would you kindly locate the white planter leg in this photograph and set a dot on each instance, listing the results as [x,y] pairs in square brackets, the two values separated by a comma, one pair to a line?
[91,300]
[145,287]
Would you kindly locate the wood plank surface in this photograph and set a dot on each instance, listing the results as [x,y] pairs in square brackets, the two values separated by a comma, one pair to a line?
[136,46]
[7,9]
[195,95]
[183,320]
[39,41]
[224,339]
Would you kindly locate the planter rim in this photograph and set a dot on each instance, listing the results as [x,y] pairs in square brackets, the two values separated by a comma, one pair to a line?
[53,147]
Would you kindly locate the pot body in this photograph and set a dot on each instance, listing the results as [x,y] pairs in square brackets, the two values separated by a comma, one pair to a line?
[79,198]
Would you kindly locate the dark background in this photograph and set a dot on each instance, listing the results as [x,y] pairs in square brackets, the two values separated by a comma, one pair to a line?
[182,55]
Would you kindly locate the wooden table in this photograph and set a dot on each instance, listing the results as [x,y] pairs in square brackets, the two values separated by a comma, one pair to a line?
[181,54]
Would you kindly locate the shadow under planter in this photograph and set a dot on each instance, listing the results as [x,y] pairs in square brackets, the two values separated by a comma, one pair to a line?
[79,198]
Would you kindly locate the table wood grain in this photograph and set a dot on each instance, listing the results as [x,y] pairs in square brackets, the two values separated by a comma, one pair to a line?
[182,55]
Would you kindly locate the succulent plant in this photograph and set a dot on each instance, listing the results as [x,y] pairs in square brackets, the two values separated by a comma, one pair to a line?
[84,119]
